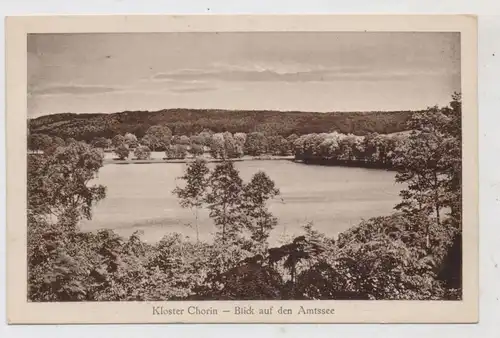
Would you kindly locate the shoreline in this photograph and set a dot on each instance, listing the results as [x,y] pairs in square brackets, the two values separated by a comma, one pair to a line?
[327,163]
[347,164]
[191,159]
[309,162]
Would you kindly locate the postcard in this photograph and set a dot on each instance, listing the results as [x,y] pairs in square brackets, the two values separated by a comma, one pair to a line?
[242,169]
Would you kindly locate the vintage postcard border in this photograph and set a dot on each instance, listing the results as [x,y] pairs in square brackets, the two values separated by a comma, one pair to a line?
[20,311]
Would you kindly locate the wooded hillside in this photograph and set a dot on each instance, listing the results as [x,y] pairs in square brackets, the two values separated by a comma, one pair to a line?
[191,121]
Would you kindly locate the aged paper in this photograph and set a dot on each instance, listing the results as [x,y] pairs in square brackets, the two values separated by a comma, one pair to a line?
[242,169]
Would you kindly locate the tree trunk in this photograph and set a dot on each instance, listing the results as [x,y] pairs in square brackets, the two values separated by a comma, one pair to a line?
[196,224]
[261,231]
[437,208]
[224,223]
[427,237]
[436,197]
[420,195]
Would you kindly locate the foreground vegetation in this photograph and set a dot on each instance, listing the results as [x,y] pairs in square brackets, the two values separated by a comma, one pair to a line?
[414,253]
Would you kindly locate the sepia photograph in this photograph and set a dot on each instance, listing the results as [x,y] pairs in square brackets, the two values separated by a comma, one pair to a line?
[205,166]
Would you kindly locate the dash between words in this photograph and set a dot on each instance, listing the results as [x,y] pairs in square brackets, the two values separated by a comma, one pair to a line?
[240,310]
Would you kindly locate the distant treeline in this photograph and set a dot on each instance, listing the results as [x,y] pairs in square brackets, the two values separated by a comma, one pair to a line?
[373,150]
[370,151]
[86,127]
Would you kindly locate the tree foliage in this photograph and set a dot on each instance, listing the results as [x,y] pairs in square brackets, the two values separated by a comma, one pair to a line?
[176,152]
[39,142]
[131,140]
[122,151]
[429,162]
[196,149]
[59,184]
[256,144]
[223,200]
[142,153]
[118,140]
[101,142]
[193,193]
[157,137]
[259,220]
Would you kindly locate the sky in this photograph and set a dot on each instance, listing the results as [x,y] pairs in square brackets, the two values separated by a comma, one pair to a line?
[308,71]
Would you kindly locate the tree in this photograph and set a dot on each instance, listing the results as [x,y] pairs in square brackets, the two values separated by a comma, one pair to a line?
[101,142]
[382,145]
[278,145]
[196,149]
[259,221]
[291,138]
[175,139]
[370,146]
[58,142]
[184,140]
[453,158]
[232,148]
[176,151]
[450,270]
[270,128]
[424,162]
[197,139]
[142,153]
[133,144]
[70,140]
[181,151]
[58,184]
[273,144]
[217,146]
[118,140]
[329,148]
[223,199]
[249,280]
[122,151]
[240,138]
[205,137]
[292,254]
[388,258]
[346,148]
[38,142]
[192,195]
[131,140]
[307,147]
[256,144]
[157,137]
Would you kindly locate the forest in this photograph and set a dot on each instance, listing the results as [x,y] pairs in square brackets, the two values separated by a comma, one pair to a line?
[86,127]
[413,254]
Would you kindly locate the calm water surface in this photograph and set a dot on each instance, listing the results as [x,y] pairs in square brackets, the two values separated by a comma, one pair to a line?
[139,197]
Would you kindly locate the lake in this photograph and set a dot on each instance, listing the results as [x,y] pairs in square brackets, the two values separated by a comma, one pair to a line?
[139,197]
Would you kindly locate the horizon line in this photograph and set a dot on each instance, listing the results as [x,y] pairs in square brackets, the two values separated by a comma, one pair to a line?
[233,110]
